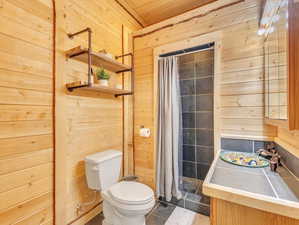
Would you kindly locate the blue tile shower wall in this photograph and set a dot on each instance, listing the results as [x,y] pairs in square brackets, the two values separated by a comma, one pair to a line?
[289,160]
[241,145]
[196,82]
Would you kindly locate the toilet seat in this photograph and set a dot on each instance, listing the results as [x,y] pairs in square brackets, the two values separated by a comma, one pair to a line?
[131,193]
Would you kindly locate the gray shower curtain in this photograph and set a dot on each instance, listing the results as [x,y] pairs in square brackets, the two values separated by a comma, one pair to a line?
[169,142]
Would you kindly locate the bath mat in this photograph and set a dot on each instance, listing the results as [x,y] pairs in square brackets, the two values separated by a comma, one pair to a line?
[181,216]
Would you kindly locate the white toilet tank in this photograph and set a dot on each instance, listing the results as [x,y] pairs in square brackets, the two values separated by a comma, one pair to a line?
[103,169]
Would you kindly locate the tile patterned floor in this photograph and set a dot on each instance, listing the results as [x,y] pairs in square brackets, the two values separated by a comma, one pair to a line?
[166,215]
[193,198]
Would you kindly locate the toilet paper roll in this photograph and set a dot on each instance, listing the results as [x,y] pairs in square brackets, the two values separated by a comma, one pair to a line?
[145,132]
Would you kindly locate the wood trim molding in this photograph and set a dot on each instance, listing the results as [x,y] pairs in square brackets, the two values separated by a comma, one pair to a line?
[246,137]
[127,109]
[54,103]
[60,117]
[88,216]
[293,65]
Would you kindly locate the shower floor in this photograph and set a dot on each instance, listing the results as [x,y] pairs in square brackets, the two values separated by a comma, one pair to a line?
[193,198]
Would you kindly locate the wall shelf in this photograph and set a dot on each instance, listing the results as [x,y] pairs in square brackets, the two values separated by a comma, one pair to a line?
[97,59]
[97,88]
[86,55]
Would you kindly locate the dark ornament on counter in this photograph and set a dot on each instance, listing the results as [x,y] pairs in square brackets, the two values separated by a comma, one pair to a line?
[271,154]
[274,162]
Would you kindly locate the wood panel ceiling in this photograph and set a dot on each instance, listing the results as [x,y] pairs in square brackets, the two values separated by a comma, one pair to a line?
[148,12]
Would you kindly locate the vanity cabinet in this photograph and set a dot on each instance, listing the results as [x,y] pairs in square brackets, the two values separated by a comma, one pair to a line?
[228,213]
[280,27]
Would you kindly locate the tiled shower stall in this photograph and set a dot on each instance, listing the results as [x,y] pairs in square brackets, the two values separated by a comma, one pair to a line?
[196,73]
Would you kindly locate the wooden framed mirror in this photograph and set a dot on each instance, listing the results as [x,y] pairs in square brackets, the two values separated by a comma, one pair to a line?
[280,27]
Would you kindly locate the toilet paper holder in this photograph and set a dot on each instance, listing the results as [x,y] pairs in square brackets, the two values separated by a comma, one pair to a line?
[144,132]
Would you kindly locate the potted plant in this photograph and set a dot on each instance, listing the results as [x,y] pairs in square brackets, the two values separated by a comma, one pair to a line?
[103,77]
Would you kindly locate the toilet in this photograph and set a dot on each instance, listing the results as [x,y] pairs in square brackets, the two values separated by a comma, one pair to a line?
[125,202]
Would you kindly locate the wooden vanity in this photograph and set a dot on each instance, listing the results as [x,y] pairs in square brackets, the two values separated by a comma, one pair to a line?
[251,196]
[236,214]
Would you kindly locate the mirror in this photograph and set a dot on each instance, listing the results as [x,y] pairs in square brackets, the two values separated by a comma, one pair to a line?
[276,69]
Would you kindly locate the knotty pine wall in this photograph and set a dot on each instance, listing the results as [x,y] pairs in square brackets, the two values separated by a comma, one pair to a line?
[26,144]
[90,122]
[87,124]
[241,88]
[289,140]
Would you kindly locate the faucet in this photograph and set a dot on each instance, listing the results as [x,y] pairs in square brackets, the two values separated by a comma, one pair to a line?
[271,154]
[274,162]
[275,157]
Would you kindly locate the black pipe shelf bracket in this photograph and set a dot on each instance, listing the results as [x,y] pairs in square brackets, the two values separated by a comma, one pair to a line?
[100,60]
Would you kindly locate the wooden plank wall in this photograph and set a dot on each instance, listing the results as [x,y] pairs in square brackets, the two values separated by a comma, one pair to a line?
[289,140]
[241,91]
[94,122]
[26,144]
[26,131]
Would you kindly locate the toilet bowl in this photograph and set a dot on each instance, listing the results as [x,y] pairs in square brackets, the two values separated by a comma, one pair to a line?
[124,203]
[127,203]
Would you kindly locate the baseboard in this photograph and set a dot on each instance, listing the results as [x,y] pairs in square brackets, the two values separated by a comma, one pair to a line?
[88,216]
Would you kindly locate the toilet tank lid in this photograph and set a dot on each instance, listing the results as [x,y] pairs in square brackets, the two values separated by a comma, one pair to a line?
[102,156]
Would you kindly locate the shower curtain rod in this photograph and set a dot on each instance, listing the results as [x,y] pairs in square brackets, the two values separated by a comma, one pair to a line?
[189,50]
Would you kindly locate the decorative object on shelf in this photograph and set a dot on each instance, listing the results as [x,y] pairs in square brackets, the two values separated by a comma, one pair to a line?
[118,86]
[103,51]
[245,159]
[103,76]
[99,59]
[103,60]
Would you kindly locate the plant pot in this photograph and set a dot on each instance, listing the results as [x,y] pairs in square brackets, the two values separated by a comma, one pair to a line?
[104,83]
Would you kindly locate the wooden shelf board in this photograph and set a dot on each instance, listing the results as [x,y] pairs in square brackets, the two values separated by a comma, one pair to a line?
[97,59]
[97,88]
[109,90]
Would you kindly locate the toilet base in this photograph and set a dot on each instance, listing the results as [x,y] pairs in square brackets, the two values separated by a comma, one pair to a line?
[123,223]
[105,223]
[113,217]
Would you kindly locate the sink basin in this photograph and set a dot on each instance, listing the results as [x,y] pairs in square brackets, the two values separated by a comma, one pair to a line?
[251,160]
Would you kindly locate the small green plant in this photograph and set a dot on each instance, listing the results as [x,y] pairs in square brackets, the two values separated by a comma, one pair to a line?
[102,74]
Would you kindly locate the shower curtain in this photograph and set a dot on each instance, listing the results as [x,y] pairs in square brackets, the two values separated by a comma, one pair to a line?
[169,142]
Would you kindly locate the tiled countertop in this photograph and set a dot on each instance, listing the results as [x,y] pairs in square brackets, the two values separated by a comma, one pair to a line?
[254,187]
